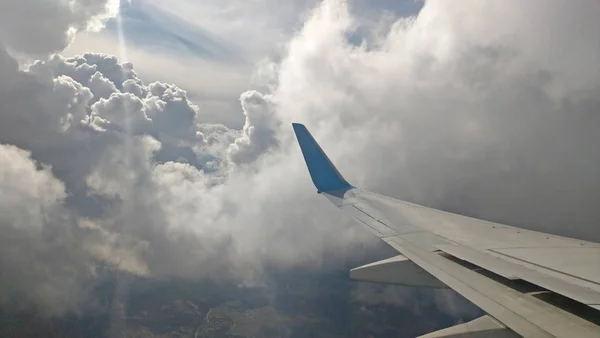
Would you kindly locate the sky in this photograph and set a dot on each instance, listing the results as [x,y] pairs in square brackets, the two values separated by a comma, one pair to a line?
[232,43]
[158,141]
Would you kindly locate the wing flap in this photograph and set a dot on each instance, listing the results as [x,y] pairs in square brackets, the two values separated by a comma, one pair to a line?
[482,327]
[514,271]
[524,314]
[491,263]
[397,270]
[577,262]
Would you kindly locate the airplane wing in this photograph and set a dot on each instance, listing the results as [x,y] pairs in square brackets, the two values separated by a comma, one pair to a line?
[531,284]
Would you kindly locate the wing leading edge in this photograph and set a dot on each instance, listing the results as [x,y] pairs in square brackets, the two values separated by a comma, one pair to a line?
[531,284]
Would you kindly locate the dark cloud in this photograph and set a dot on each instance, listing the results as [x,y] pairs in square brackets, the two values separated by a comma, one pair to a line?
[39,239]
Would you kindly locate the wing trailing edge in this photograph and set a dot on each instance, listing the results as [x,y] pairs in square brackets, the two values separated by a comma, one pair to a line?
[482,327]
[397,270]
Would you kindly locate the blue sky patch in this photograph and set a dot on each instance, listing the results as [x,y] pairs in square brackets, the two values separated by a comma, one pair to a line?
[147,27]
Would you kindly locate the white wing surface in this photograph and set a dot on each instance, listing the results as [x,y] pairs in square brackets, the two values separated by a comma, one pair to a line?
[531,284]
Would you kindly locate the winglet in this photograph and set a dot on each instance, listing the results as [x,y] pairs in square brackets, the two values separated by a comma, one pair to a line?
[322,172]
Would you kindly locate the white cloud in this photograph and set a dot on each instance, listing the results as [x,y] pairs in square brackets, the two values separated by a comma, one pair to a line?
[260,130]
[39,27]
[214,85]
[124,111]
[455,110]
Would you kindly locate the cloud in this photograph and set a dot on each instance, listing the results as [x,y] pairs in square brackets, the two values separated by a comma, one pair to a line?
[213,85]
[146,188]
[453,110]
[38,238]
[447,108]
[39,27]
[259,132]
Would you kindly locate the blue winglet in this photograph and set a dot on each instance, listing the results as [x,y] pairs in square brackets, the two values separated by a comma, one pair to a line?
[322,172]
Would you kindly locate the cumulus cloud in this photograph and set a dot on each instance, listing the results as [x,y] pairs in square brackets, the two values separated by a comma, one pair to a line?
[259,132]
[447,108]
